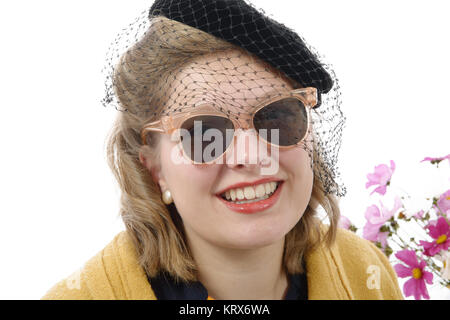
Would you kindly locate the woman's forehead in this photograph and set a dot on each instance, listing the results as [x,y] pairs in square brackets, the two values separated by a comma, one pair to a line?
[231,81]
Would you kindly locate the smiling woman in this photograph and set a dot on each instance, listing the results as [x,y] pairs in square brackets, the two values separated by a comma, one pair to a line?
[217,225]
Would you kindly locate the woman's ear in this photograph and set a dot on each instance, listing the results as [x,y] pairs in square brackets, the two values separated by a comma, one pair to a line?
[149,162]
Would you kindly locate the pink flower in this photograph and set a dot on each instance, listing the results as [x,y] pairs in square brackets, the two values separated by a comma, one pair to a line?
[374,234]
[376,219]
[344,223]
[443,204]
[381,177]
[416,285]
[439,231]
[436,160]
[419,215]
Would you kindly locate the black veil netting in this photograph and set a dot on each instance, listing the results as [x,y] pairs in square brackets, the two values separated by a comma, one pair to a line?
[240,23]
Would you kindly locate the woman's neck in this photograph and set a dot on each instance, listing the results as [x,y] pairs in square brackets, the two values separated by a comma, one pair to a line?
[237,274]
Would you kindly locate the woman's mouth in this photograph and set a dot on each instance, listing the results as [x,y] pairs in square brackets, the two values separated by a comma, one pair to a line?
[250,194]
[253,198]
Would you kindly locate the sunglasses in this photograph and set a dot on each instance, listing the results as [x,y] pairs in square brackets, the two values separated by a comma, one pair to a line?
[287,113]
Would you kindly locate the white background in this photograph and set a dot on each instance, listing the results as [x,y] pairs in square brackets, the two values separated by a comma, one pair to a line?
[58,199]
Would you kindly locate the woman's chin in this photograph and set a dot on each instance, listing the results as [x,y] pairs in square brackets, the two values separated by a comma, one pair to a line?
[247,240]
[248,231]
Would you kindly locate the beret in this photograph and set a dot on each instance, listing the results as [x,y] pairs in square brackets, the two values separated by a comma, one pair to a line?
[239,23]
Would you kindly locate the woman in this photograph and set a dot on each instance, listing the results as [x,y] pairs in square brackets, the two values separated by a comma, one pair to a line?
[222,169]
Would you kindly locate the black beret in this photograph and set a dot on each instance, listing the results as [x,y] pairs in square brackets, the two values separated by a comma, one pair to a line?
[241,24]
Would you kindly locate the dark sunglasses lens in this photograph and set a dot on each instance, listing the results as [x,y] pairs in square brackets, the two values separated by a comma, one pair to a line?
[288,116]
[205,138]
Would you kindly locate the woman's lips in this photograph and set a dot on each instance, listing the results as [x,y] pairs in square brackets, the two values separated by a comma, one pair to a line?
[253,207]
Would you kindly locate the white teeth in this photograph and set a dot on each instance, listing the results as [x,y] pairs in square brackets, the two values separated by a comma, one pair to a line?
[251,193]
[254,200]
[233,194]
[273,185]
[260,190]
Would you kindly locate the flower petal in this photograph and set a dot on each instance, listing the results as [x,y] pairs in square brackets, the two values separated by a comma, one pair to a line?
[409,288]
[382,238]
[370,183]
[371,213]
[427,276]
[370,231]
[432,251]
[408,257]
[419,214]
[381,169]
[386,213]
[426,245]
[433,231]
[381,190]
[344,222]
[442,226]
[402,271]
[421,289]
[392,166]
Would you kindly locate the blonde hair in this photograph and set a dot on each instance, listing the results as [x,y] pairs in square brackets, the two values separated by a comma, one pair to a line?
[156,229]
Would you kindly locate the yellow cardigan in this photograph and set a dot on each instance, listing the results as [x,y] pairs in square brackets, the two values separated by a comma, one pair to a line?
[353,268]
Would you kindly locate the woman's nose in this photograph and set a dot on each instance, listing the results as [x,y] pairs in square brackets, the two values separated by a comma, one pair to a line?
[247,149]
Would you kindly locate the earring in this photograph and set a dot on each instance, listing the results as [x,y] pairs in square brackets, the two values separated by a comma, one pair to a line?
[167,197]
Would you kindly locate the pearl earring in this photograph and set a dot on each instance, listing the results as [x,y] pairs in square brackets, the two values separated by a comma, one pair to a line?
[167,197]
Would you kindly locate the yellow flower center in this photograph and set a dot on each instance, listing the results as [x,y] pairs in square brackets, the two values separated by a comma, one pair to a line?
[448,198]
[441,239]
[417,273]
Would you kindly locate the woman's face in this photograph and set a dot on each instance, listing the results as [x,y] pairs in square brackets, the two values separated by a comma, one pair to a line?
[196,188]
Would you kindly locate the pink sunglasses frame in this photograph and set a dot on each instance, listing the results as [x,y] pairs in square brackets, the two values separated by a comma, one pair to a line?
[168,124]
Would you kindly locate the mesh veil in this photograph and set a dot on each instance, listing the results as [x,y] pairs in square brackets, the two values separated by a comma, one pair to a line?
[151,70]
